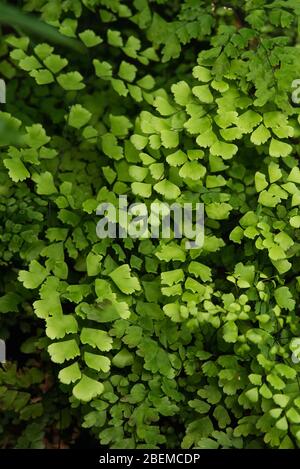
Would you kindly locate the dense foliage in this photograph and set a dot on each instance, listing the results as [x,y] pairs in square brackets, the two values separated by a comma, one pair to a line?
[144,343]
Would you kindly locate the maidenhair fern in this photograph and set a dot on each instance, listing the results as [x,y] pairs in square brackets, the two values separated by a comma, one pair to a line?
[153,344]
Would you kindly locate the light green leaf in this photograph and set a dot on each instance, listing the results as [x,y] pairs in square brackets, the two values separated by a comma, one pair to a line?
[284,298]
[89,38]
[260,181]
[122,277]
[96,338]
[87,389]
[260,135]
[278,148]
[97,362]
[36,275]
[59,326]
[166,188]
[62,351]
[44,182]
[70,374]
[192,170]
[16,169]
[55,63]
[203,93]
[182,93]
[223,149]
[142,189]
[71,81]
[78,116]
[202,73]
[230,332]
[127,71]
[218,211]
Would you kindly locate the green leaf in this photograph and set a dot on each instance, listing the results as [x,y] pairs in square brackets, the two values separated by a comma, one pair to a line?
[245,275]
[293,416]
[89,38]
[36,136]
[138,173]
[96,338]
[281,399]
[87,389]
[62,351]
[93,263]
[247,121]
[122,277]
[177,159]
[166,188]
[127,71]
[123,358]
[284,298]
[139,141]
[170,252]
[142,189]
[278,148]
[120,125]
[114,38]
[274,172]
[276,382]
[9,302]
[169,138]
[230,332]
[119,87]
[29,63]
[295,221]
[42,77]
[222,416]
[172,277]
[71,81]
[70,374]
[103,69]
[223,149]
[260,181]
[260,135]
[34,277]
[215,181]
[282,424]
[59,326]
[16,169]
[294,175]
[182,93]
[172,310]
[110,147]
[55,63]
[200,270]
[203,93]
[192,170]
[97,362]
[218,211]
[276,253]
[267,199]
[45,183]
[202,73]
[284,240]
[78,116]
[200,406]
[252,394]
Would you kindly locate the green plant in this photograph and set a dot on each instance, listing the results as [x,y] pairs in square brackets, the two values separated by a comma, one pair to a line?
[157,345]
